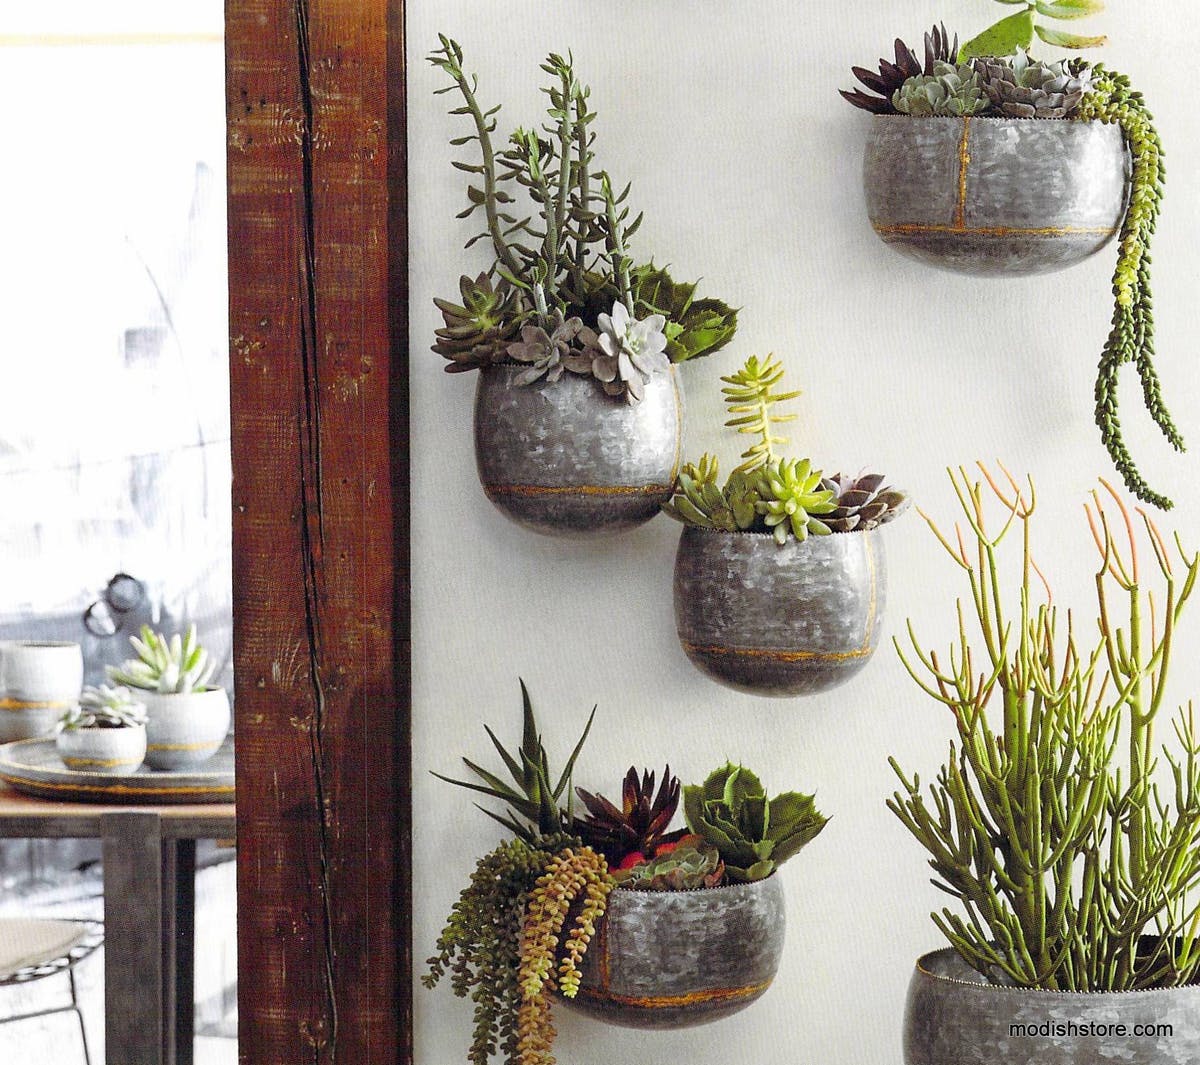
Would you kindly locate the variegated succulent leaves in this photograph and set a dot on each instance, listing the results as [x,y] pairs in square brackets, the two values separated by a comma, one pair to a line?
[563,293]
[786,497]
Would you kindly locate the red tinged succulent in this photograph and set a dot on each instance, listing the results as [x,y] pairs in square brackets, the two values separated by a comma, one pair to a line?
[639,825]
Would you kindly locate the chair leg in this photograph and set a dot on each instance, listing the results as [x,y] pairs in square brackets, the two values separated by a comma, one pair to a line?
[87,1057]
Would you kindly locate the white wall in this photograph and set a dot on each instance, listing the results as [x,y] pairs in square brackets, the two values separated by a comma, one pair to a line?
[726,119]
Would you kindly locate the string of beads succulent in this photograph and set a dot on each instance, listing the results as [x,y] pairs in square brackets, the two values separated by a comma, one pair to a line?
[767,493]
[1072,864]
[563,294]
[520,930]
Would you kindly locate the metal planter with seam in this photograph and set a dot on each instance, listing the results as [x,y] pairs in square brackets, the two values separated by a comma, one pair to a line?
[995,196]
[674,959]
[780,620]
[953,1017]
[566,459]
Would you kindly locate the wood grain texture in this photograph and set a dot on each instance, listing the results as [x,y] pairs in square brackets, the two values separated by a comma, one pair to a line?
[315,100]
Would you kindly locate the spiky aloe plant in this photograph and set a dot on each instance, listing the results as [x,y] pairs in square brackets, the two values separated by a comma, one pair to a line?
[174,664]
[1070,867]
[536,797]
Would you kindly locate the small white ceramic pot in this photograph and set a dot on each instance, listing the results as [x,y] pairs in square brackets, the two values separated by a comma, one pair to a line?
[184,728]
[112,751]
[39,681]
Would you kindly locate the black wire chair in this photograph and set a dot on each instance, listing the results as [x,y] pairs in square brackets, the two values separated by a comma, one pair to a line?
[91,936]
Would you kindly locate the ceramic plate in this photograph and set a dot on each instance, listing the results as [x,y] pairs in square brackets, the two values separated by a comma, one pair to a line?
[33,767]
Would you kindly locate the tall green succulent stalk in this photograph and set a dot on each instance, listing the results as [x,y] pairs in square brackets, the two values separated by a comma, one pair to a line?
[1046,824]
[1132,337]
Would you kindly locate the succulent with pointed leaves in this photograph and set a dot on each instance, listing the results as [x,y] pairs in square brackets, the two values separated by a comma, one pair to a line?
[698,499]
[478,331]
[686,865]
[939,48]
[754,834]
[639,825]
[536,797]
[629,352]
[792,500]
[951,90]
[861,503]
[178,664]
[1022,87]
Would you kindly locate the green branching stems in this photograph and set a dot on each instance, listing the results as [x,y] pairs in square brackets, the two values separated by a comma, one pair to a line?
[449,58]
[1071,868]
[1132,337]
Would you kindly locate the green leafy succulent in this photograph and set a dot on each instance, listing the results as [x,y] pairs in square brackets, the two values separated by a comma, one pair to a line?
[754,834]
[694,327]
[104,707]
[1017,31]
[177,664]
[793,497]
[535,799]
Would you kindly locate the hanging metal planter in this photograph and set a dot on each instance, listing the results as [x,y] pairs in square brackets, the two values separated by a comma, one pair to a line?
[563,458]
[779,619]
[995,196]
[954,1017]
[674,959]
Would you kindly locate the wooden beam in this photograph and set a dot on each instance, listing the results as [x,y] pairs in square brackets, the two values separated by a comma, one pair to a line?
[315,97]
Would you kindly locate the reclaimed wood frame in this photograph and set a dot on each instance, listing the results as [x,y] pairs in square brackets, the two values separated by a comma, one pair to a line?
[318,360]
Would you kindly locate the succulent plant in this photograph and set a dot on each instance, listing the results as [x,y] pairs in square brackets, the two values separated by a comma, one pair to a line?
[178,664]
[549,353]
[860,502]
[1022,87]
[639,826]
[104,707]
[478,331]
[1017,30]
[560,234]
[629,352]
[750,399]
[754,834]
[793,497]
[686,865]
[699,499]
[938,49]
[951,90]
[536,796]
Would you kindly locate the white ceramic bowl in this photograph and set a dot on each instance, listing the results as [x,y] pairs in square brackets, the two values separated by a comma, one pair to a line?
[184,728]
[111,751]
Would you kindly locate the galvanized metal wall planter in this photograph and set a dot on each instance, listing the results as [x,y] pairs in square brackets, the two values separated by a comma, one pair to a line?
[954,1018]
[673,959]
[781,620]
[564,458]
[995,196]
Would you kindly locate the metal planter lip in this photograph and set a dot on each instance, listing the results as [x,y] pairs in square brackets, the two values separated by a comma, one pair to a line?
[676,959]
[954,1017]
[779,620]
[993,195]
[566,459]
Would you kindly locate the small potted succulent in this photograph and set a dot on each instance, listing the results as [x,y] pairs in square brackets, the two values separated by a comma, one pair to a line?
[970,166]
[614,912]
[187,719]
[779,576]
[577,412]
[1072,863]
[105,733]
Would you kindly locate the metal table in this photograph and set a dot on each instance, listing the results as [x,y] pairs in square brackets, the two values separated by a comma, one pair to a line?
[149,911]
